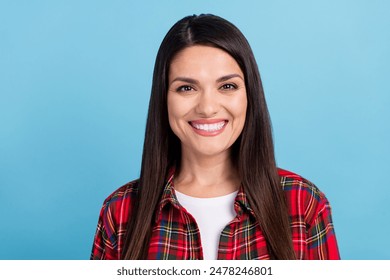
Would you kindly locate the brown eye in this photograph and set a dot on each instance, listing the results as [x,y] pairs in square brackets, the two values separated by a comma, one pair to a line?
[184,88]
[228,87]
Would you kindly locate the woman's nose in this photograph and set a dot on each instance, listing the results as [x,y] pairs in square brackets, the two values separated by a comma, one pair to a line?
[208,103]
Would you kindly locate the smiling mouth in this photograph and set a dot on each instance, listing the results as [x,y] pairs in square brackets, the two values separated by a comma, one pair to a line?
[208,127]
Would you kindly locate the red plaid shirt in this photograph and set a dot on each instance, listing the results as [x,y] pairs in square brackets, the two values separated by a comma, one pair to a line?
[176,235]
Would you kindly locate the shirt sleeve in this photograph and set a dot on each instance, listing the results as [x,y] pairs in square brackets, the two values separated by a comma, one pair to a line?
[104,245]
[321,238]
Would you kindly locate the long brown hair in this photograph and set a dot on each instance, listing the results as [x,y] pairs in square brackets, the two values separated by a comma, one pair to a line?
[253,151]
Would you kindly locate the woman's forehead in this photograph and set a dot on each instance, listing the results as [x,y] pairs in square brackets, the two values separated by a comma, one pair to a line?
[201,60]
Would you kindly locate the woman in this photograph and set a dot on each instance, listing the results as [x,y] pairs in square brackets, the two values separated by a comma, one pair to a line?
[209,186]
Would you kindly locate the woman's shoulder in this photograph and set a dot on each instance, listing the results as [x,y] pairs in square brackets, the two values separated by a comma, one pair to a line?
[304,199]
[310,218]
[125,193]
[296,185]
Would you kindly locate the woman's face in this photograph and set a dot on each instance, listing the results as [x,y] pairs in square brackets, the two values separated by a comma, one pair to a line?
[206,100]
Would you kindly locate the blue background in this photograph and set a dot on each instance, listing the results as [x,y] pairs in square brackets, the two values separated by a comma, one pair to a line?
[75,80]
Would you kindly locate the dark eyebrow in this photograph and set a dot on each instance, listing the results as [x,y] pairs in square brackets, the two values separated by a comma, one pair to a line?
[228,77]
[219,80]
[185,79]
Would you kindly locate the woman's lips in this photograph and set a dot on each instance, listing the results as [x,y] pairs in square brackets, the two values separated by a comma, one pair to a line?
[208,127]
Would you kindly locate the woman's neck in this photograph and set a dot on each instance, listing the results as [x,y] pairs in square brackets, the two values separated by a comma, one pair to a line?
[207,176]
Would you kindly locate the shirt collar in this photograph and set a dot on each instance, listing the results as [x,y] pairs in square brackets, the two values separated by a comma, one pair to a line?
[241,203]
[168,195]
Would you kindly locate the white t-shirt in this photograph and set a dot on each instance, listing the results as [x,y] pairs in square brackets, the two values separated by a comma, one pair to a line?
[212,215]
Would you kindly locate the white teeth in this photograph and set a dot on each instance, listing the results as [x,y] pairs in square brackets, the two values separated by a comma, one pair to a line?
[209,127]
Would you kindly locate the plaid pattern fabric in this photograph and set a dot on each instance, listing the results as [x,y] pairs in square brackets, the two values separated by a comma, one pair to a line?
[175,234]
